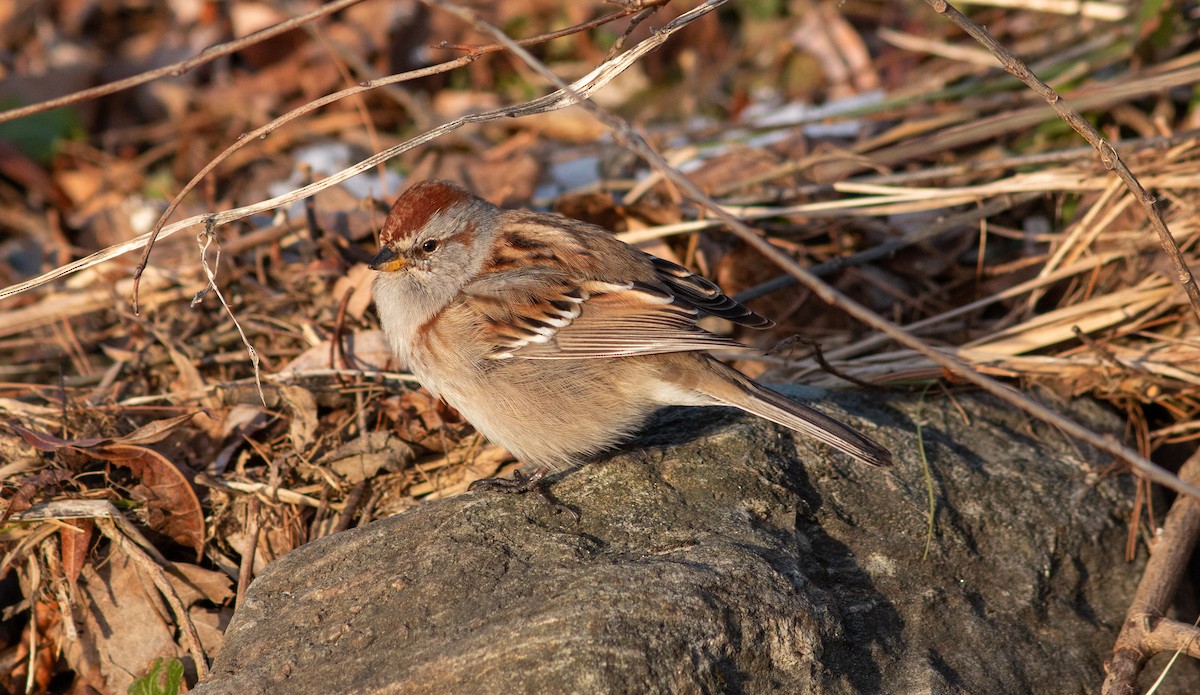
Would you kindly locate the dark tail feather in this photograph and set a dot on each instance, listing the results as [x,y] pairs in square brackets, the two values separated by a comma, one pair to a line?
[751,396]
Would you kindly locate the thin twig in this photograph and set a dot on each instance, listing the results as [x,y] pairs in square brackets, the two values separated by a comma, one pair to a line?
[643,13]
[31,666]
[58,577]
[819,355]
[346,517]
[549,36]
[205,239]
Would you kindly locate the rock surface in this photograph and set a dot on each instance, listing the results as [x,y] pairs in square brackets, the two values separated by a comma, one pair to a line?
[722,555]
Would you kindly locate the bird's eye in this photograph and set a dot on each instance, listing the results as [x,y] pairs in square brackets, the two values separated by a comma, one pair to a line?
[429,246]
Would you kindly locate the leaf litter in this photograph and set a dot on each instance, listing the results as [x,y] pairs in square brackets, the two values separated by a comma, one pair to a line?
[872,142]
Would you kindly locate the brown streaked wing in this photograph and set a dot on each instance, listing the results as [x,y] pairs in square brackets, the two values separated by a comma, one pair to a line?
[705,295]
[599,319]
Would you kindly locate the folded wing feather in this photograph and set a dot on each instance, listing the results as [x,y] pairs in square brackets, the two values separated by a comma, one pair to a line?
[563,318]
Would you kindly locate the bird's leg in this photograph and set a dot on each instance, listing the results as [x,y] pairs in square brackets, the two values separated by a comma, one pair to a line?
[520,483]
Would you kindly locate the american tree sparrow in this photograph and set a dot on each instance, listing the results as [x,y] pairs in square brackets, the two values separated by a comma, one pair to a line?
[555,339]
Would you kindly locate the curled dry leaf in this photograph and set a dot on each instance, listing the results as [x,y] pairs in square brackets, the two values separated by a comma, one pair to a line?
[75,544]
[44,441]
[146,434]
[171,504]
[157,430]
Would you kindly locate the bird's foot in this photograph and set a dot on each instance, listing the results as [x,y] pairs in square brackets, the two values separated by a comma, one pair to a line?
[520,483]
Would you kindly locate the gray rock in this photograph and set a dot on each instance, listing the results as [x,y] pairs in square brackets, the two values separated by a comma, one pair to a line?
[722,555]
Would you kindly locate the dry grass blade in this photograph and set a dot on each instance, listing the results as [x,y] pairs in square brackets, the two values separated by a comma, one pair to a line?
[1091,316]
[1093,9]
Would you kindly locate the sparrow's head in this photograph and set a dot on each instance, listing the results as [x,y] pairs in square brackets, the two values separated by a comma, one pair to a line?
[435,236]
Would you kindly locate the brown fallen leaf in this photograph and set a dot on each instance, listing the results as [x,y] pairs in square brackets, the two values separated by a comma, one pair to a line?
[357,281]
[197,587]
[146,434]
[365,457]
[157,430]
[171,503]
[366,349]
[423,420]
[194,583]
[124,628]
[172,506]
[75,546]
[44,441]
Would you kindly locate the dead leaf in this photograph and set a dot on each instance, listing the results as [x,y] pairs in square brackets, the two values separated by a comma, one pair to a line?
[828,36]
[597,208]
[364,457]
[146,434]
[171,504]
[424,420]
[567,125]
[44,441]
[75,546]
[157,430]
[302,407]
[358,281]
[190,378]
[366,350]
[210,624]
[194,583]
[505,175]
[197,587]
[125,625]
